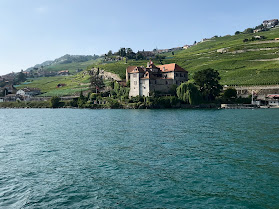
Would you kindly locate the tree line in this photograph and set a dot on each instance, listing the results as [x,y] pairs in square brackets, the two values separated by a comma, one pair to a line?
[203,89]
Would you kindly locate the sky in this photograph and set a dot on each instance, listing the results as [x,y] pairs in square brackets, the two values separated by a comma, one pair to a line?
[34,31]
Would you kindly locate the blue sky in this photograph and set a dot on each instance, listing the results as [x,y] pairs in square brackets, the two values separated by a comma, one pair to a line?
[36,31]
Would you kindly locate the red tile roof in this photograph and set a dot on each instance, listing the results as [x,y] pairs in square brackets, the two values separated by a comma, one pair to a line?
[137,69]
[153,66]
[150,75]
[130,68]
[171,67]
[273,96]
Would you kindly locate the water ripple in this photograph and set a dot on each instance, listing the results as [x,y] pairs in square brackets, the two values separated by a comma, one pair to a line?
[139,158]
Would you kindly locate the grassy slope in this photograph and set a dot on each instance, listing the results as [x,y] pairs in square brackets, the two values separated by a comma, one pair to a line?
[235,69]
[72,67]
[74,84]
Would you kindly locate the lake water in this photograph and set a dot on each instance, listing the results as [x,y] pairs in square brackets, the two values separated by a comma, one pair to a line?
[67,158]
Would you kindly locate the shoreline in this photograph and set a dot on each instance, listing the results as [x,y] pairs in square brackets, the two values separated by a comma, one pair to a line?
[108,108]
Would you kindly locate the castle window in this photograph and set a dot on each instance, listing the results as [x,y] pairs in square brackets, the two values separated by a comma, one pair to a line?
[134,75]
[135,82]
[166,82]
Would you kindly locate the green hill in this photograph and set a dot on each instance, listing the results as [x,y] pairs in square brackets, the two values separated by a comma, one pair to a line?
[67,62]
[245,63]
[48,85]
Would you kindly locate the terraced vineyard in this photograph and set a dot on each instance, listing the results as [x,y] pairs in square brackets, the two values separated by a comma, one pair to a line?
[249,63]
[48,85]
[243,63]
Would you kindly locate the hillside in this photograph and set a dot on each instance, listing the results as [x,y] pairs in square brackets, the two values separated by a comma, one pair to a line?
[48,85]
[67,62]
[244,63]
[241,63]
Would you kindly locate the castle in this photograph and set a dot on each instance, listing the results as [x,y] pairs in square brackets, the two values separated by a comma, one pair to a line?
[161,78]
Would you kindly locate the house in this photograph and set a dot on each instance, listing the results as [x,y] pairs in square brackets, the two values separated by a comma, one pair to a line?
[161,78]
[162,50]
[60,85]
[223,50]
[205,39]
[28,92]
[147,53]
[9,77]
[12,97]
[175,49]
[273,99]
[64,72]
[257,30]
[270,23]
[8,89]
[186,46]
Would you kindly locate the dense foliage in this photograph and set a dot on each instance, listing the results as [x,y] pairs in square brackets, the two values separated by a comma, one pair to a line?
[96,82]
[54,102]
[189,93]
[21,77]
[208,82]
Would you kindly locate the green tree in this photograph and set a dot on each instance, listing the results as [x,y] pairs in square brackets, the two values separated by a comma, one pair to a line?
[96,82]
[2,84]
[21,77]
[93,96]
[248,30]
[189,93]
[139,56]
[237,32]
[109,53]
[230,94]
[122,52]
[259,26]
[130,54]
[160,58]
[208,82]
[2,93]
[81,100]
[54,102]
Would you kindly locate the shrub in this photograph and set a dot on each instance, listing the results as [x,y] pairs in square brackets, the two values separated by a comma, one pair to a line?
[189,93]
[54,102]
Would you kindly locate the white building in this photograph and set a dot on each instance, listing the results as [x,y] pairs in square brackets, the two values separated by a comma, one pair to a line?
[270,23]
[28,92]
[273,99]
[161,78]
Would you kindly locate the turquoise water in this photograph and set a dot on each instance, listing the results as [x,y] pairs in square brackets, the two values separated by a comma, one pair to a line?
[65,158]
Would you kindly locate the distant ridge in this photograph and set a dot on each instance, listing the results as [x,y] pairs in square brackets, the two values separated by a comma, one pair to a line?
[66,59]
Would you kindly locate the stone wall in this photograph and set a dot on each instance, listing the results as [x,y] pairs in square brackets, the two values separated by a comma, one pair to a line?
[260,91]
[107,75]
